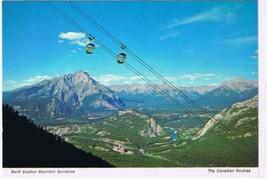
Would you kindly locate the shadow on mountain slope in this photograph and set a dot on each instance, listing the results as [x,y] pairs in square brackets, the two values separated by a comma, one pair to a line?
[27,145]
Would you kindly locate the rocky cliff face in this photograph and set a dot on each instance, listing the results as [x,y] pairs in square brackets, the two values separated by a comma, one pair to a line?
[236,117]
[150,126]
[152,129]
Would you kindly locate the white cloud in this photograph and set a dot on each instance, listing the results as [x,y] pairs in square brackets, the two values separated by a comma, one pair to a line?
[237,41]
[196,76]
[82,42]
[184,80]
[254,57]
[76,38]
[9,82]
[189,50]
[191,82]
[254,73]
[68,56]
[72,36]
[230,17]
[110,79]
[12,84]
[170,36]
[35,79]
[214,14]
[74,51]
[235,34]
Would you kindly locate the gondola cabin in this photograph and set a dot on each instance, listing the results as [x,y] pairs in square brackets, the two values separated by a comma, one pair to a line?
[90,48]
[121,58]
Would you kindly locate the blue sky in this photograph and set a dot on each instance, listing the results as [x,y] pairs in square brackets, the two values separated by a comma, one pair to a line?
[189,43]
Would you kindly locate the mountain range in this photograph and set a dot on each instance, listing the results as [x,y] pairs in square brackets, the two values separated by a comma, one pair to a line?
[218,96]
[79,96]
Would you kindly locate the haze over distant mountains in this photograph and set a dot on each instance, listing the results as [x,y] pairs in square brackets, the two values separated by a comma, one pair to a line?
[78,96]
[237,84]
[219,96]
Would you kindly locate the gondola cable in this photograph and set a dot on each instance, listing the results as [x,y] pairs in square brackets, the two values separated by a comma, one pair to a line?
[152,70]
[133,69]
[175,102]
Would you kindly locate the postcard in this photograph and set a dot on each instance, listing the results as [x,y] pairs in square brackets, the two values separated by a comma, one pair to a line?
[130,88]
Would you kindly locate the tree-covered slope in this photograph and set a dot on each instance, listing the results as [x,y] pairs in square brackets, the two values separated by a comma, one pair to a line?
[229,139]
[27,145]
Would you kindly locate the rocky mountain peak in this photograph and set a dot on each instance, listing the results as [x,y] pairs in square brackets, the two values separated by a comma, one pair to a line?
[240,84]
[76,78]
[81,75]
[65,95]
[237,79]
